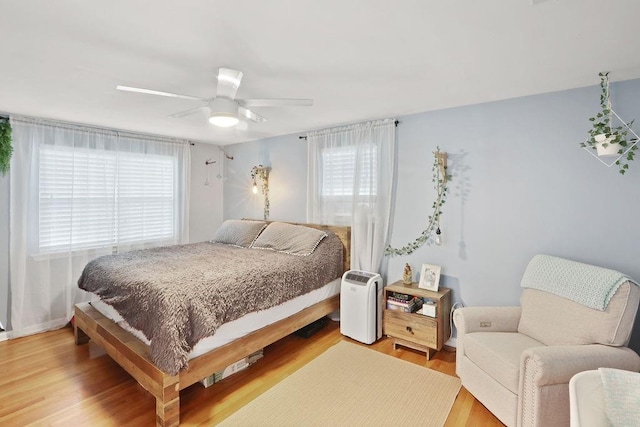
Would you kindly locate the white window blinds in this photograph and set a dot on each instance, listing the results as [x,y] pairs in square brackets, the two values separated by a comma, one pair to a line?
[91,198]
[340,165]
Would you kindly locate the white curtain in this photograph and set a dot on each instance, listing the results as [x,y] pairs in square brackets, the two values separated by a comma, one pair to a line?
[80,192]
[350,182]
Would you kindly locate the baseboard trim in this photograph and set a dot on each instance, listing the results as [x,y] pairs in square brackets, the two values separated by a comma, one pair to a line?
[3,336]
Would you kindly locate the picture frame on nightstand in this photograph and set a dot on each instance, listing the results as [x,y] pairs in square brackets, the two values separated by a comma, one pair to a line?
[429,277]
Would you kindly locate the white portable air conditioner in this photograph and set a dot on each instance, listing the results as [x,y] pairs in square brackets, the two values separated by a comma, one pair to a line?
[361,306]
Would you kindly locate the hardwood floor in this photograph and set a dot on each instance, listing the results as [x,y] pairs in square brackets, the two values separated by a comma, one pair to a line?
[46,379]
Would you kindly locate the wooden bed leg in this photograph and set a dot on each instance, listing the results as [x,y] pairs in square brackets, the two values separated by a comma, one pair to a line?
[81,337]
[168,405]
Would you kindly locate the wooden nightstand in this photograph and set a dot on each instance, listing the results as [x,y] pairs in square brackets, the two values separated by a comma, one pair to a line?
[417,331]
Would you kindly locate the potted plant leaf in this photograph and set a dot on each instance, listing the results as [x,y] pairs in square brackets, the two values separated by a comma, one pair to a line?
[607,139]
[6,149]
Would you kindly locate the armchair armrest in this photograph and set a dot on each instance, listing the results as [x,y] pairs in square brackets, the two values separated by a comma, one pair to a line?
[557,364]
[486,319]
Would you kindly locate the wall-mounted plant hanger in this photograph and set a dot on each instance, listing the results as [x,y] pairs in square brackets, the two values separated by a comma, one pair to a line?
[440,178]
[610,144]
[261,173]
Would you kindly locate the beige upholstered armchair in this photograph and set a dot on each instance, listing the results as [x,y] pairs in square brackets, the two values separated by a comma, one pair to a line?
[517,361]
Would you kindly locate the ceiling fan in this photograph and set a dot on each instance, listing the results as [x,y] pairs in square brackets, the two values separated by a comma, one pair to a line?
[224,110]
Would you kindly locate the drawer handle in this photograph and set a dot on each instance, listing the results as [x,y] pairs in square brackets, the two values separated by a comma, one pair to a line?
[409,329]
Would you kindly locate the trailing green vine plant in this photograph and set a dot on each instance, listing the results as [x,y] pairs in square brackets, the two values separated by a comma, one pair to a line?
[603,134]
[440,178]
[6,149]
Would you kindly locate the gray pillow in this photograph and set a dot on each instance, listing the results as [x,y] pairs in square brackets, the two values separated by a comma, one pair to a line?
[238,232]
[289,238]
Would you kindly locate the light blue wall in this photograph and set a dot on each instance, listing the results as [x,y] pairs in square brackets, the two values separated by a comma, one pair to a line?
[287,158]
[521,186]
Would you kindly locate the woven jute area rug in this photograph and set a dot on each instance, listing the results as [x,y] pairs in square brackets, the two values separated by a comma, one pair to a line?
[350,385]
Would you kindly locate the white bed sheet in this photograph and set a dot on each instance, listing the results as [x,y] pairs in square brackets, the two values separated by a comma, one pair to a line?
[240,327]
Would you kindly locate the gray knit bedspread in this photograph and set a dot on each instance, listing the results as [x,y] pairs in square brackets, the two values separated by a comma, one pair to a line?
[177,295]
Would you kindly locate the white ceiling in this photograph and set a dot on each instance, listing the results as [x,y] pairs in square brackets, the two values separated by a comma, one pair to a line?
[358,59]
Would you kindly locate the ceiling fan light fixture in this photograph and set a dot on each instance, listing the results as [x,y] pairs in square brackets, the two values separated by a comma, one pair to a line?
[223,120]
[224,112]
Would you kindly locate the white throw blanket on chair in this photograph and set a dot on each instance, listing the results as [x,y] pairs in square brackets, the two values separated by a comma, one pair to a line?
[585,284]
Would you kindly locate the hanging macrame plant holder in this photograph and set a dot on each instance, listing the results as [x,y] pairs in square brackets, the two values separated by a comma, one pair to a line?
[606,146]
[609,153]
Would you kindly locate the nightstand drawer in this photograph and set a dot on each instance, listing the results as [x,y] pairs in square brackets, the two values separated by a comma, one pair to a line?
[411,327]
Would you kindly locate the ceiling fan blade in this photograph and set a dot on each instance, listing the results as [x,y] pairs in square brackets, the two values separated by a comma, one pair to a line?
[251,115]
[228,82]
[204,110]
[157,92]
[275,102]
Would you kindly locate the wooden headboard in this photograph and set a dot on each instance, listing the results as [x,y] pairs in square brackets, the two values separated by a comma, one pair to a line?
[342,231]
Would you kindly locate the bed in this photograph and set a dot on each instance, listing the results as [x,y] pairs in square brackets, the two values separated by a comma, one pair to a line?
[135,356]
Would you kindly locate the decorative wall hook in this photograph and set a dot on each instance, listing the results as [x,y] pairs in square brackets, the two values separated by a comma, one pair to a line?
[208,162]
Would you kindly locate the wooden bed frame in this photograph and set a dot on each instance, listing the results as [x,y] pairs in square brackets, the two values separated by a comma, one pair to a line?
[134,356]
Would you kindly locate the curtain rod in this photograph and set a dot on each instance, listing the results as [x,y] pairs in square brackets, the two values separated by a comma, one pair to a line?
[396,122]
[97,129]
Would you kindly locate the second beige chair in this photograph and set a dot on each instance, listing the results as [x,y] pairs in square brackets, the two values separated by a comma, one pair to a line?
[517,361]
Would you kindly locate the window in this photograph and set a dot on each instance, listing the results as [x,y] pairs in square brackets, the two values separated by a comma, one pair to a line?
[350,182]
[82,192]
[339,168]
[92,198]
